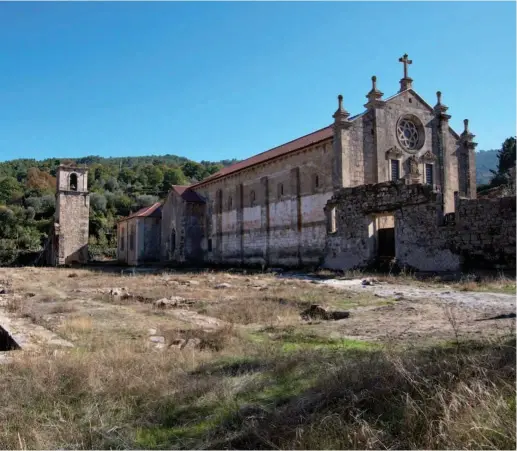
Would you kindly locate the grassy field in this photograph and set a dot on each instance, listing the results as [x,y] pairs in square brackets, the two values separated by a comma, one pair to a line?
[399,373]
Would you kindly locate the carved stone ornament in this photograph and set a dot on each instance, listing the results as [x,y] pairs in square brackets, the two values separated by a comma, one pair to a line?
[428,157]
[393,153]
[413,167]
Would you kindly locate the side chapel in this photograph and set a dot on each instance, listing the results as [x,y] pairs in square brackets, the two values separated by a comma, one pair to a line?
[270,208]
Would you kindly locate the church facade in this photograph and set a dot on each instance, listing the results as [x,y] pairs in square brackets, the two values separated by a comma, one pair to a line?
[270,209]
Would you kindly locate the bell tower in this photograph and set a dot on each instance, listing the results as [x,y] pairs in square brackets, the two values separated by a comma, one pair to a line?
[72,216]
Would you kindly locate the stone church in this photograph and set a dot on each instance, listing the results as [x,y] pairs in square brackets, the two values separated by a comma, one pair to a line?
[271,209]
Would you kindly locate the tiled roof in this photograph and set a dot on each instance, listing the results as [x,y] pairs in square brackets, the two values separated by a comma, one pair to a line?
[297,144]
[154,211]
[187,194]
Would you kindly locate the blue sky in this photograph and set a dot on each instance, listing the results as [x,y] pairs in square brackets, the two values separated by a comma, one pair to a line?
[227,80]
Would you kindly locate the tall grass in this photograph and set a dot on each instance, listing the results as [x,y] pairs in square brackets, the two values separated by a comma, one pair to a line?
[461,398]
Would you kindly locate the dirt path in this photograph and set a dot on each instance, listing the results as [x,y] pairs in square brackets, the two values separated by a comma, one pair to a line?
[485,301]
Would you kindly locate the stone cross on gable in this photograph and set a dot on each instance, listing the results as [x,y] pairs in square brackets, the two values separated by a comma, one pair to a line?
[405,61]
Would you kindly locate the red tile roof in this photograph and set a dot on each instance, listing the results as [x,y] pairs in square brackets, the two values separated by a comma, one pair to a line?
[154,211]
[187,194]
[291,146]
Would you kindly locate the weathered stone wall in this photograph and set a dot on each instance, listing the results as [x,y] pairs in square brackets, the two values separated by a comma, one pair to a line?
[351,242]
[72,212]
[172,231]
[270,214]
[182,230]
[482,234]
[485,231]
[129,241]
[149,239]
[446,153]
[194,226]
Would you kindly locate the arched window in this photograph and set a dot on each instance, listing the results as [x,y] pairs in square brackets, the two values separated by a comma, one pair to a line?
[252,198]
[73,182]
[316,181]
[230,203]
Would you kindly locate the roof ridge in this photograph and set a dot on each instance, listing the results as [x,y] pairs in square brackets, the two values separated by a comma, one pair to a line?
[248,162]
[286,143]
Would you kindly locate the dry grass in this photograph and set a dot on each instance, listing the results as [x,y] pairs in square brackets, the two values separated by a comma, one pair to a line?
[497,284]
[129,398]
[263,381]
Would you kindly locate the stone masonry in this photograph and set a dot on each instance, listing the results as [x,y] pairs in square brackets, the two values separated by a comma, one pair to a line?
[480,233]
[69,236]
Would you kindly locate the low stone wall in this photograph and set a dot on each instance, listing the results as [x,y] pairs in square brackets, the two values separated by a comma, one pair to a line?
[481,234]
[485,232]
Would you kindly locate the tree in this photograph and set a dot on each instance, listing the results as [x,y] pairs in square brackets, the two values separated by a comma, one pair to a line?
[10,190]
[154,175]
[127,175]
[507,158]
[98,202]
[173,176]
[145,200]
[40,181]
[193,170]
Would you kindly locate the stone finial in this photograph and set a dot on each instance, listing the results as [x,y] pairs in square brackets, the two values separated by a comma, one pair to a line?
[374,96]
[406,82]
[440,109]
[467,136]
[341,115]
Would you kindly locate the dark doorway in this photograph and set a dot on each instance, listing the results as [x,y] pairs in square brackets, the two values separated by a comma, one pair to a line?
[7,342]
[386,247]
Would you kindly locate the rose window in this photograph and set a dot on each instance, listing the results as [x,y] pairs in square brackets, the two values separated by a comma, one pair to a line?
[407,134]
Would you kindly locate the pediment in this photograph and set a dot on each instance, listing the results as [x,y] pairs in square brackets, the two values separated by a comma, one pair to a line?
[393,153]
[428,157]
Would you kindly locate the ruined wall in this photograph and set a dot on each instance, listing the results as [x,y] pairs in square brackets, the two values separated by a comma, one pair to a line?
[481,234]
[351,241]
[485,231]
[270,214]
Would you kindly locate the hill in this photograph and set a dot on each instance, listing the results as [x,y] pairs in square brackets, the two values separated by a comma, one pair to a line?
[485,161]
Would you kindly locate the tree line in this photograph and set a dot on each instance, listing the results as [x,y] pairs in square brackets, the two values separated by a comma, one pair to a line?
[118,186]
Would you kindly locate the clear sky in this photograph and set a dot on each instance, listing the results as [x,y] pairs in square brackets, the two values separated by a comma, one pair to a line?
[212,81]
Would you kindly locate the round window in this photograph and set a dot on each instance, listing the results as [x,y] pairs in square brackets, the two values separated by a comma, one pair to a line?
[410,133]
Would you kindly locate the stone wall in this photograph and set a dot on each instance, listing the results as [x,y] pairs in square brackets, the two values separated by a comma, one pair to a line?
[149,239]
[480,233]
[182,230]
[270,214]
[172,231]
[485,231]
[72,212]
